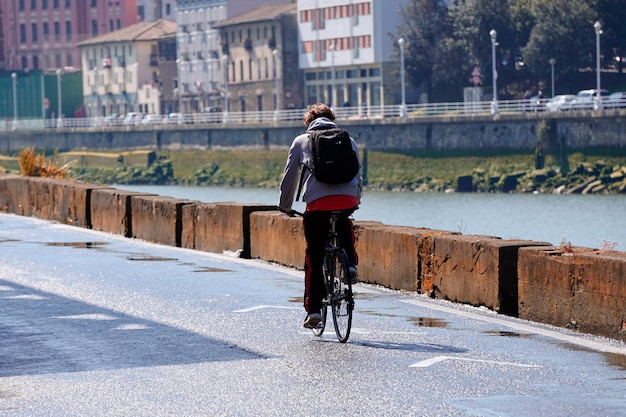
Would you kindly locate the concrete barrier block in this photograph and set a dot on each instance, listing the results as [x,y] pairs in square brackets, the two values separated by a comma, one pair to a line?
[61,200]
[111,210]
[478,270]
[581,288]
[395,256]
[277,238]
[219,227]
[157,219]
[14,195]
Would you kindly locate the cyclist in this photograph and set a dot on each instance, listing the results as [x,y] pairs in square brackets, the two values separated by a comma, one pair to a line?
[320,199]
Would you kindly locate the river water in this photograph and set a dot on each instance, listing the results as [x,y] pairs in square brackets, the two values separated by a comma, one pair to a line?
[583,220]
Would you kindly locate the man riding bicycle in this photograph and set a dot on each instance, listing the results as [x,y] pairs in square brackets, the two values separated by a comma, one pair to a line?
[321,199]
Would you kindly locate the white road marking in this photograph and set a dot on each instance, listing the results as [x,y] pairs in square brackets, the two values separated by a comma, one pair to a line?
[438,359]
[262,307]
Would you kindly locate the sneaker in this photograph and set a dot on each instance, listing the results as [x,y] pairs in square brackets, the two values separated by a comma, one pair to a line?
[312,320]
[354,276]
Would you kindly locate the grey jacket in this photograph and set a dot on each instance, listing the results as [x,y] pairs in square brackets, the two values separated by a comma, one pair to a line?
[299,158]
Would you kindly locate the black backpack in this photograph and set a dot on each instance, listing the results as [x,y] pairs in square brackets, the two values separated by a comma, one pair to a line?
[332,157]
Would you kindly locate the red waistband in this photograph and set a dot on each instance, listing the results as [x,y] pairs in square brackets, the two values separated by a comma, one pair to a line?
[333,202]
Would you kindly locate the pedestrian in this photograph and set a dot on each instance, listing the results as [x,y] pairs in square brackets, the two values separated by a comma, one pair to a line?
[321,198]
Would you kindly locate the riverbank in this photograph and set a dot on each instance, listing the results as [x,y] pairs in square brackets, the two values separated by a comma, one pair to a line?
[501,171]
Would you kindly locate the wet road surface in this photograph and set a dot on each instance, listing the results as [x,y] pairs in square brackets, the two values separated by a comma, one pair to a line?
[93,324]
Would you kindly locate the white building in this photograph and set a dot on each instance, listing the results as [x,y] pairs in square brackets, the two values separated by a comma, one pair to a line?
[349,38]
[120,69]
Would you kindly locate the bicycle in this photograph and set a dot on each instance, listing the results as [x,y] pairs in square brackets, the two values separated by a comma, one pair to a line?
[339,295]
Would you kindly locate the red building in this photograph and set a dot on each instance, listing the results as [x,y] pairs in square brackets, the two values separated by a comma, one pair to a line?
[42,34]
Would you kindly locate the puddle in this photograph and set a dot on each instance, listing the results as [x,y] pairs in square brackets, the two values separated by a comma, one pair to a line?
[150,258]
[505,334]
[82,245]
[6,240]
[615,359]
[210,269]
[428,322]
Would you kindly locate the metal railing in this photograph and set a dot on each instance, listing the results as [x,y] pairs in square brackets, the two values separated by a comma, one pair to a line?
[413,111]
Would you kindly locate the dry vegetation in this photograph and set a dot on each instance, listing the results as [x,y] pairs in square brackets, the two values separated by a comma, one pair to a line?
[35,165]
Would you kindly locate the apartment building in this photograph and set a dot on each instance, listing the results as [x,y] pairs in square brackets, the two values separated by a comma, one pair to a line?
[121,69]
[346,51]
[43,34]
[199,77]
[151,10]
[260,51]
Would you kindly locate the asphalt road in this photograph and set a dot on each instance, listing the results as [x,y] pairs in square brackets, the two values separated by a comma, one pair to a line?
[93,324]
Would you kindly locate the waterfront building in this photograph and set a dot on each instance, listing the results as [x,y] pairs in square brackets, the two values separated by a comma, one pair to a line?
[121,70]
[346,53]
[43,34]
[260,50]
[151,10]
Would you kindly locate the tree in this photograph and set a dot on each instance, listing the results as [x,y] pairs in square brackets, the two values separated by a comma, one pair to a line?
[563,31]
[612,15]
[424,28]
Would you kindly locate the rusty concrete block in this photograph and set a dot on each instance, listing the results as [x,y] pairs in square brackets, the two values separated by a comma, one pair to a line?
[478,270]
[157,219]
[219,227]
[277,238]
[14,195]
[61,200]
[580,288]
[398,257]
[111,210]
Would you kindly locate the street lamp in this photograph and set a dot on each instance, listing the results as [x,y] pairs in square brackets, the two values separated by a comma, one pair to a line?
[14,77]
[598,28]
[225,74]
[60,120]
[135,80]
[403,105]
[332,75]
[179,85]
[494,103]
[276,104]
[552,61]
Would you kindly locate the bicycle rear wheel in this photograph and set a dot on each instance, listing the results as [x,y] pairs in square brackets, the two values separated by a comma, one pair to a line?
[341,299]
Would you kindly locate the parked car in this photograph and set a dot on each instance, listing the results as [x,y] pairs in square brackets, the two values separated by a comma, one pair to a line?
[173,118]
[586,100]
[152,119]
[113,119]
[133,119]
[557,102]
[616,101]
[537,103]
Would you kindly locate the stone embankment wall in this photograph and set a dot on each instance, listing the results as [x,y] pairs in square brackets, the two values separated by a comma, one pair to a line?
[578,130]
[579,288]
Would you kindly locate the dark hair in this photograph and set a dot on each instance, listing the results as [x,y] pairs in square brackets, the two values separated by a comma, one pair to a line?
[315,111]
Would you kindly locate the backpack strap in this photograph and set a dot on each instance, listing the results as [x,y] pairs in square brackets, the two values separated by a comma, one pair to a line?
[301,182]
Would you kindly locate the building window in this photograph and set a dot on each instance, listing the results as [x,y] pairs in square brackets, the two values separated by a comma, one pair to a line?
[57,31]
[33,4]
[35,32]
[68,4]
[68,30]
[94,3]
[94,27]
[21,5]
[44,4]
[35,62]
[22,33]
[46,31]
[55,4]
[24,62]
[70,60]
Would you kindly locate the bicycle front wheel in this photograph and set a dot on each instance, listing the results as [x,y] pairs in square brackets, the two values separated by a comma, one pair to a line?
[341,299]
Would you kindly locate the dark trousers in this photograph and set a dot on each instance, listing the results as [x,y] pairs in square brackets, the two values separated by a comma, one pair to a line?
[316,227]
